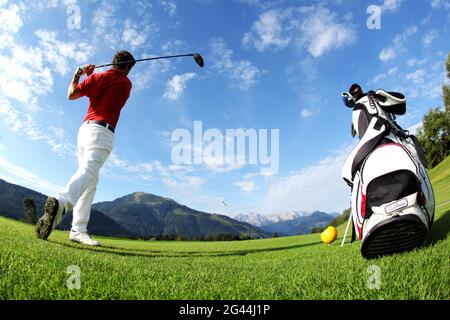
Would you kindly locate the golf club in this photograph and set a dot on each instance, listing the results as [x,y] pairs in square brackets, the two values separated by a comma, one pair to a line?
[197,57]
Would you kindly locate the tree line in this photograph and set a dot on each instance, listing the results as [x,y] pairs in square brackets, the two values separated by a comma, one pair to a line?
[177,237]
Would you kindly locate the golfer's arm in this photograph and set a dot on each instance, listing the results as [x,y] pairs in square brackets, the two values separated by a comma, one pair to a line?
[72,92]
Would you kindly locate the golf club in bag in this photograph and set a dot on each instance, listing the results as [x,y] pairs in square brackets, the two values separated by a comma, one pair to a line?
[197,58]
[392,200]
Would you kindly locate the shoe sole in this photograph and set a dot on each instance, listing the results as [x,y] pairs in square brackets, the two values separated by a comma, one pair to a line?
[45,223]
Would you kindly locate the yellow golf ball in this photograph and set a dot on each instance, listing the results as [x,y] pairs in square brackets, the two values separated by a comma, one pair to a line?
[329,235]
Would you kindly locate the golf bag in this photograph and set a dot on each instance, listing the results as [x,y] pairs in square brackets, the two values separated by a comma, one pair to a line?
[392,201]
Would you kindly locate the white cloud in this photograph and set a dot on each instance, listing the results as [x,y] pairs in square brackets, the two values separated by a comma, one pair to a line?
[169,6]
[413,62]
[321,32]
[260,4]
[387,54]
[11,22]
[190,191]
[26,178]
[133,38]
[317,187]
[390,73]
[415,128]
[123,169]
[103,18]
[129,32]
[306,113]
[9,179]
[183,182]
[24,78]
[105,25]
[250,2]
[173,46]
[246,186]
[11,19]
[429,37]
[176,86]
[391,5]
[146,74]
[134,33]
[403,36]
[23,75]
[315,29]
[417,76]
[267,32]
[25,125]
[41,5]
[398,46]
[377,78]
[63,56]
[242,74]
[437,4]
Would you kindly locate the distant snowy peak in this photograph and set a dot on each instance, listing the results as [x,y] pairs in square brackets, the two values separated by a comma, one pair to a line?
[253,218]
[290,215]
[260,220]
[288,223]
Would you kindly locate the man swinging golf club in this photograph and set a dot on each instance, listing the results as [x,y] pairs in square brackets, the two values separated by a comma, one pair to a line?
[107,92]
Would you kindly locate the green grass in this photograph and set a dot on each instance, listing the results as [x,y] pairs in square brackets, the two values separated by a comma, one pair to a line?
[299,267]
[440,176]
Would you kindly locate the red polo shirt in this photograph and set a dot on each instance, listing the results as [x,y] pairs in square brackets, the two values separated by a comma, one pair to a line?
[107,92]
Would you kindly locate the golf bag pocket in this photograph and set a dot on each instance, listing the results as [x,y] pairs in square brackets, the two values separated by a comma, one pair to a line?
[392,201]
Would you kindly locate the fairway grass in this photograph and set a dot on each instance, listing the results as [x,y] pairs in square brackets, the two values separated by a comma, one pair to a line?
[299,267]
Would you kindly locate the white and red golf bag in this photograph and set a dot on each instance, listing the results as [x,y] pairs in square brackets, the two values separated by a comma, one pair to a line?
[392,201]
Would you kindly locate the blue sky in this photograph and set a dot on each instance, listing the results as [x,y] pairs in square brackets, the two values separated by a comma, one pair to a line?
[269,65]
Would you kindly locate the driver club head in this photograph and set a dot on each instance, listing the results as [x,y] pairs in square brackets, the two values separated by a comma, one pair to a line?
[198,58]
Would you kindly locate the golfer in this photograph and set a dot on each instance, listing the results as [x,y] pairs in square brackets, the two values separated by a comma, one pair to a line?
[107,92]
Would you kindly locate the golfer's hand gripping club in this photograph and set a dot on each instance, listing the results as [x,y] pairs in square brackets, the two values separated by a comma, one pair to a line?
[87,70]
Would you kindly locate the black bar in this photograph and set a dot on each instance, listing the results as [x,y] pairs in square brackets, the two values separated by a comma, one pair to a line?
[227,309]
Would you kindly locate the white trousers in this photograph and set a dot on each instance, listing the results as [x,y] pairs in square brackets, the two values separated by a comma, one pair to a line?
[95,144]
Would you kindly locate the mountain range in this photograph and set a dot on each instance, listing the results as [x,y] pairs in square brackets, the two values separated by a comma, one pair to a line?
[144,215]
[260,220]
[147,215]
[288,223]
[11,206]
[139,215]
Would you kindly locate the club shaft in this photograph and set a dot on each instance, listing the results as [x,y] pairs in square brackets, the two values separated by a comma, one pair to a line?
[346,229]
[146,59]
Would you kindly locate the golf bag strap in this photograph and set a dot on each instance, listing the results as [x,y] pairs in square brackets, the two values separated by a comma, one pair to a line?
[363,119]
[375,132]
[420,151]
[392,98]
[391,102]
[388,117]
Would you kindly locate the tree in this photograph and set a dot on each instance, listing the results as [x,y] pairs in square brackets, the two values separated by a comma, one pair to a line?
[434,136]
[343,217]
[317,229]
[446,87]
[30,211]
